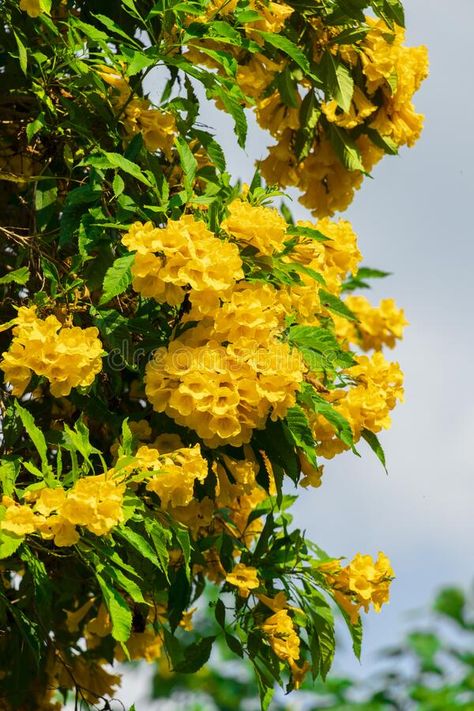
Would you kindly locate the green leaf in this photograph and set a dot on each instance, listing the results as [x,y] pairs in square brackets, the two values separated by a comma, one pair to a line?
[78,440]
[383,142]
[41,582]
[161,539]
[308,232]
[374,444]
[188,164]
[22,55]
[234,645]
[118,185]
[288,88]
[9,470]
[338,80]
[390,11]
[195,656]
[130,586]
[120,613]
[17,276]
[234,108]
[113,27]
[288,47]
[182,536]
[117,278]
[345,148]
[35,434]
[9,543]
[300,431]
[320,406]
[451,603]
[139,543]
[334,304]
[107,160]
[323,641]
[35,126]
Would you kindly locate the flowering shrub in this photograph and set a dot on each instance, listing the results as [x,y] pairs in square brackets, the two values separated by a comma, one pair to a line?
[176,351]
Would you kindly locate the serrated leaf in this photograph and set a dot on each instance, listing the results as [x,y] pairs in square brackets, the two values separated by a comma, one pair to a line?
[308,232]
[374,444]
[139,543]
[17,276]
[338,80]
[334,304]
[117,278]
[300,431]
[288,47]
[320,406]
[188,164]
[34,433]
[106,161]
[323,640]
[345,148]
[120,613]
[383,142]
[234,108]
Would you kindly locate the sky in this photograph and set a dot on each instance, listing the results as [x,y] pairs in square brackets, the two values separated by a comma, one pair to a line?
[413,220]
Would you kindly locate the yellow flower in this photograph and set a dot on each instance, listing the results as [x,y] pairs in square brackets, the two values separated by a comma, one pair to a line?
[377,326]
[32,7]
[298,673]
[360,583]
[260,227]
[181,255]
[67,356]
[75,617]
[361,108]
[244,578]
[19,520]
[177,473]
[187,620]
[94,502]
[145,645]
[282,636]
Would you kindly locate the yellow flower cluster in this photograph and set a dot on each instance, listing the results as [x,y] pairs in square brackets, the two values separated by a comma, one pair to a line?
[361,583]
[181,255]
[32,7]
[94,502]
[390,72]
[262,228]
[377,326]
[223,392]
[157,127]
[332,259]
[273,15]
[176,473]
[397,71]
[67,356]
[378,385]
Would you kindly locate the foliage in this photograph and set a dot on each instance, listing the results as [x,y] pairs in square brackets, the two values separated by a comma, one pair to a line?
[175,350]
[432,670]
